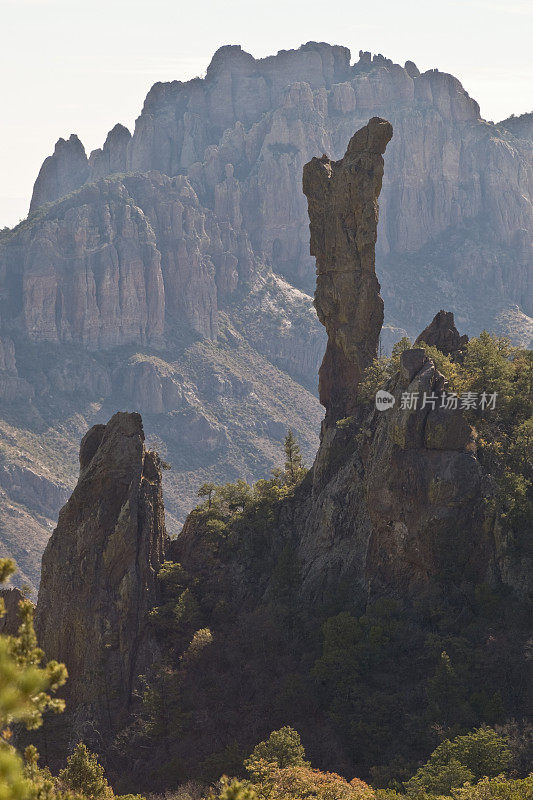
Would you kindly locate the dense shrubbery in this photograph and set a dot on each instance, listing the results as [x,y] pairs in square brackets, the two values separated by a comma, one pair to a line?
[472,766]
[228,502]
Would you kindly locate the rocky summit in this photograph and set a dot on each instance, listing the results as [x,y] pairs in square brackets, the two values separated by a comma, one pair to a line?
[456,202]
[99,582]
[168,272]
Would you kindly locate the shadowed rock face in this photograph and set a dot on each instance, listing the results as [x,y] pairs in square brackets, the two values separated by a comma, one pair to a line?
[9,623]
[398,499]
[442,334]
[99,577]
[343,212]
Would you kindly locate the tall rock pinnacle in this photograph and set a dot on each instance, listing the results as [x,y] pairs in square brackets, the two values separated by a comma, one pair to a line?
[343,211]
[99,579]
[67,169]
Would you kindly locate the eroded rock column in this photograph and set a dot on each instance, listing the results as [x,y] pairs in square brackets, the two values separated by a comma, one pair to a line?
[343,212]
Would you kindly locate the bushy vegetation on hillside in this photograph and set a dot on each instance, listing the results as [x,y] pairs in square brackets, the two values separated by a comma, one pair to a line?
[475,766]
[421,701]
[243,651]
[470,767]
[489,364]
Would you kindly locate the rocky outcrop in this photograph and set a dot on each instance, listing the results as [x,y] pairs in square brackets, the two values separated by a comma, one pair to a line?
[521,126]
[122,262]
[413,510]
[99,578]
[343,213]
[67,169]
[442,334]
[91,274]
[408,476]
[10,621]
[112,157]
[13,388]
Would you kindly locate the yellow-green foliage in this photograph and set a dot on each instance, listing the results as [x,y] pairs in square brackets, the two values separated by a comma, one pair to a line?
[26,684]
[283,748]
[470,767]
[233,500]
[24,693]
[380,370]
[499,788]
[303,782]
[84,775]
[278,771]
[374,376]
[465,759]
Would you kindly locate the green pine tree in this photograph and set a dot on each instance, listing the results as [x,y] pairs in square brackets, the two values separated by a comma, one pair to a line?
[294,468]
[24,693]
[84,774]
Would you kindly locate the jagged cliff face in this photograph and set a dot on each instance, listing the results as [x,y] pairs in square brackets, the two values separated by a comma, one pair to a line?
[120,262]
[99,578]
[171,255]
[456,198]
[398,503]
[343,213]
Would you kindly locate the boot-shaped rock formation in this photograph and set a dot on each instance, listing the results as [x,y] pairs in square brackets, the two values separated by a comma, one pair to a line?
[99,581]
[343,212]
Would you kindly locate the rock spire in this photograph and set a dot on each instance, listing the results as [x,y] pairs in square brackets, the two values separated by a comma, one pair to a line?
[343,211]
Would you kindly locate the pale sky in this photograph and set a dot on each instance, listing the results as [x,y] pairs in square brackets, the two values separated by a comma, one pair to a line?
[80,66]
